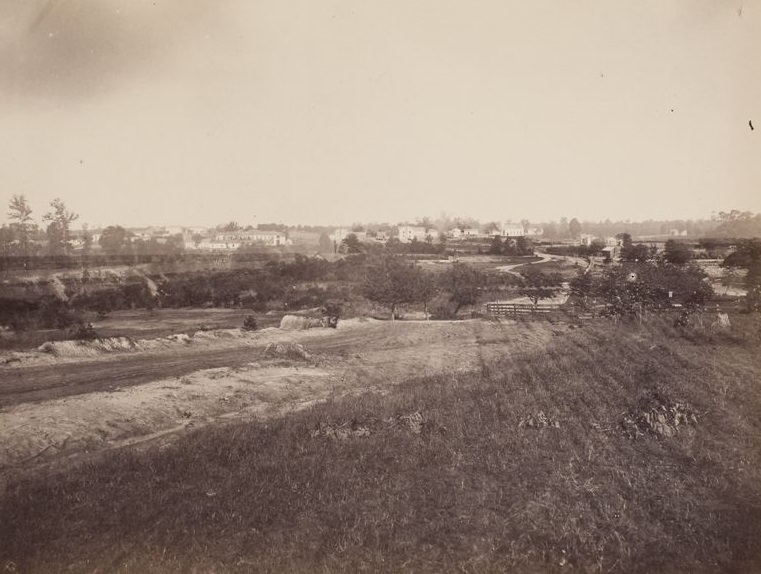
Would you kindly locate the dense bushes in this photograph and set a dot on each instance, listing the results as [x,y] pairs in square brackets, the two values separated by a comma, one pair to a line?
[46,312]
[629,289]
[303,282]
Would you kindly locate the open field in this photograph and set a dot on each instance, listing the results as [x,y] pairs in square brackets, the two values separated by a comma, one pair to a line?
[408,447]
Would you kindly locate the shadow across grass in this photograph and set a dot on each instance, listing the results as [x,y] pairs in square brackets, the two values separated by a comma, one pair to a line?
[442,474]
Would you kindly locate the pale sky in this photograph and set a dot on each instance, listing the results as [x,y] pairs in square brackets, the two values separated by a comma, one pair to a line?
[183,112]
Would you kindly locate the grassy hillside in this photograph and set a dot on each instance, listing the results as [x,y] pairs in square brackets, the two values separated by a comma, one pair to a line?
[613,449]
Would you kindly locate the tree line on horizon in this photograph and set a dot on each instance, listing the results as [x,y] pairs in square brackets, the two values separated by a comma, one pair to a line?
[21,236]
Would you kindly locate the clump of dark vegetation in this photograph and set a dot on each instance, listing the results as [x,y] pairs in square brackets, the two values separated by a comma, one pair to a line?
[84,332]
[657,415]
[439,475]
[300,283]
[249,323]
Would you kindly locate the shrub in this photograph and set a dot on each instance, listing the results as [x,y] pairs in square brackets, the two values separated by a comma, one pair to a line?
[249,323]
[84,332]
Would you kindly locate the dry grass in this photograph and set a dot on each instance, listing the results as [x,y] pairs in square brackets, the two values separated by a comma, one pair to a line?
[441,475]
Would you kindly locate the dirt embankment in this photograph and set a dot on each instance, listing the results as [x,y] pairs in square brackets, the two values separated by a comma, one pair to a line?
[262,374]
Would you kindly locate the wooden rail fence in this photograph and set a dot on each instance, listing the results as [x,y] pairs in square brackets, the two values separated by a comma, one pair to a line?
[516,309]
[549,311]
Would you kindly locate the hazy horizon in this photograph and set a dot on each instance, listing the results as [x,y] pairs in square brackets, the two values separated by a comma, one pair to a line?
[165,113]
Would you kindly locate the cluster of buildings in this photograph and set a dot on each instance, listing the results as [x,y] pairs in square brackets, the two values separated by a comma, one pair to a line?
[232,240]
[194,238]
[410,233]
[612,245]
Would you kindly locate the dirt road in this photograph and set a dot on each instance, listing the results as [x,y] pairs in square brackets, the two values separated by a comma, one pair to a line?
[68,406]
[113,372]
[45,382]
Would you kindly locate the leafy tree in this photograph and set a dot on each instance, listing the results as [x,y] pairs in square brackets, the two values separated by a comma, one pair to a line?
[425,288]
[523,246]
[326,246]
[582,287]
[86,240]
[229,226]
[748,252]
[281,227]
[463,283]
[351,244]
[491,228]
[563,226]
[22,224]
[630,289]
[748,256]
[626,240]
[574,227]
[113,239]
[496,245]
[596,247]
[677,253]
[635,253]
[550,230]
[738,224]
[175,244]
[59,222]
[391,281]
[6,240]
[56,239]
[537,285]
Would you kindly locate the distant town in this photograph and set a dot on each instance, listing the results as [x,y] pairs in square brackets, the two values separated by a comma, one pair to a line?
[55,233]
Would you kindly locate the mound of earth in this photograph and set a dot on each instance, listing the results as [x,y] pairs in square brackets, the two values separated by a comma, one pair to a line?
[286,351]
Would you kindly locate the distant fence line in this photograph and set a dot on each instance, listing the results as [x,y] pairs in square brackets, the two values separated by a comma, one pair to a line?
[538,311]
[559,312]
[500,309]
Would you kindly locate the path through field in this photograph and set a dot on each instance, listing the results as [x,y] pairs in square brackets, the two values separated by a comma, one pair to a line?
[51,407]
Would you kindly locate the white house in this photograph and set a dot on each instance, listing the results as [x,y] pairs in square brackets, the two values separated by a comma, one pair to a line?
[231,240]
[512,230]
[342,233]
[456,233]
[409,232]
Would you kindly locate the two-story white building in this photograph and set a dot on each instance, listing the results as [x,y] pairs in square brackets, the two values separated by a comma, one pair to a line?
[512,230]
[407,233]
[342,233]
[232,240]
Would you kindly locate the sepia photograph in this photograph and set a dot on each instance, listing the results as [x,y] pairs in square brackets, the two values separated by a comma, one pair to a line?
[380,286]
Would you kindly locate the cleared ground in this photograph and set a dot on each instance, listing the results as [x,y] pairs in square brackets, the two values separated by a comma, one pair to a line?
[83,398]
[400,447]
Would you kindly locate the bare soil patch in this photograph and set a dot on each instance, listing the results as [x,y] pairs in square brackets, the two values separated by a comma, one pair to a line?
[130,395]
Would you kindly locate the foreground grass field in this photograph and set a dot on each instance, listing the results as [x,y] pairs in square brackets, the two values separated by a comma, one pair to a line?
[621,448]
